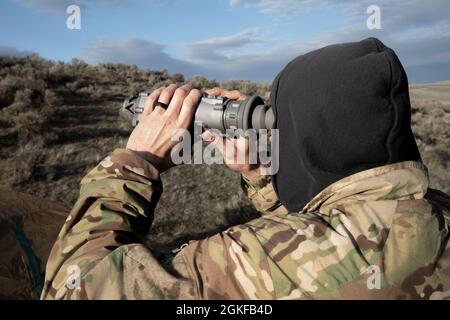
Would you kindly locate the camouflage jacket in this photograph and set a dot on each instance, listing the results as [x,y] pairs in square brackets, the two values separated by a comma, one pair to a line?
[370,235]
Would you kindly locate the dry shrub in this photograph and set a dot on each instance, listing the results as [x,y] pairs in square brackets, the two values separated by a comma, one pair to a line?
[202,82]
[8,87]
[51,103]
[26,160]
[177,78]
[430,124]
[28,125]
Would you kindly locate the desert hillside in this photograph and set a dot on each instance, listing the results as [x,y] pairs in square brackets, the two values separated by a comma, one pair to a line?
[58,120]
[438,91]
[431,127]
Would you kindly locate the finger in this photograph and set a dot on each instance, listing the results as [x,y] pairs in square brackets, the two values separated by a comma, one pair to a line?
[166,96]
[215,91]
[242,150]
[177,100]
[208,136]
[234,95]
[238,151]
[189,106]
[227,147]
[215,139]
[230,151]
[151,100]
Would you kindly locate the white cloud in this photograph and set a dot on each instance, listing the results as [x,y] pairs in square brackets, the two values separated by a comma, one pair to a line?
[234,3]
[280,8]
[397,13]
[417,30]
[151,55]
[213,49]
[49,5]
[425,57]
[60,6]
[135,51]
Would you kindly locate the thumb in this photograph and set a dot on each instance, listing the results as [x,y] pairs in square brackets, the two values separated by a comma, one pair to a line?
[215,139]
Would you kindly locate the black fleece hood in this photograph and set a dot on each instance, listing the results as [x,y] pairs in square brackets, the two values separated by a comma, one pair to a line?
[341,109]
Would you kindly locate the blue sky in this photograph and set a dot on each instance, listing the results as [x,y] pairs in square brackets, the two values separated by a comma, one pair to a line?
[225,39]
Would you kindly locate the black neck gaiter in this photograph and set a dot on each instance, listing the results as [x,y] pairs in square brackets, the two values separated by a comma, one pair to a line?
[341,109]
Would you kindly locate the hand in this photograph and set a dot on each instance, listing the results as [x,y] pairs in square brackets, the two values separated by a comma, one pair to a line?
[153,137]
[238,146]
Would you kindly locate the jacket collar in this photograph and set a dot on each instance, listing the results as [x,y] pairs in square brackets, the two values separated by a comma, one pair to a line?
[402,180]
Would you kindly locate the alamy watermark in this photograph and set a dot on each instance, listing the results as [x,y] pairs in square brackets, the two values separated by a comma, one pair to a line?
[374,280]
[73,21]
[374,19]
[73,281]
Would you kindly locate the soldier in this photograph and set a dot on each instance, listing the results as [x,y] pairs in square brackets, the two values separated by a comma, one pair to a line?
[348,215]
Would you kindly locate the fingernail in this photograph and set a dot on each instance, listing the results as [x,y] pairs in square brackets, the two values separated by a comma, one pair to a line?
[207,136]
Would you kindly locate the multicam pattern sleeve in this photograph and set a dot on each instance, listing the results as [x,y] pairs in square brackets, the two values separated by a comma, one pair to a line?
[99,252]
[371,235]
[262,194]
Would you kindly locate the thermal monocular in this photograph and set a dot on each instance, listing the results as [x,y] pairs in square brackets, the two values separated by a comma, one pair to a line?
[218,113]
